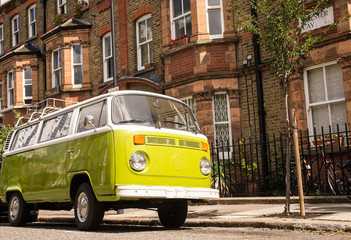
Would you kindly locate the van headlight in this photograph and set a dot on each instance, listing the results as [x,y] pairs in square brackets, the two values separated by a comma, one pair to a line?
[205,166]
[137,161]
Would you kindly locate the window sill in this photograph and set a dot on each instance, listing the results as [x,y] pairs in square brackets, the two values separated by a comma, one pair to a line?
[148,68]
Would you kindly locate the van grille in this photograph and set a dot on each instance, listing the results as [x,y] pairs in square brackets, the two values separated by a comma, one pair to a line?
[184,143]
[163,141]
[8,140]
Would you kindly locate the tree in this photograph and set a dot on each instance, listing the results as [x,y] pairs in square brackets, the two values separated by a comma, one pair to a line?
[279,26]
[5,130]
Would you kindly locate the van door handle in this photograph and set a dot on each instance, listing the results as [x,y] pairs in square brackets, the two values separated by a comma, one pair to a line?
[70,150]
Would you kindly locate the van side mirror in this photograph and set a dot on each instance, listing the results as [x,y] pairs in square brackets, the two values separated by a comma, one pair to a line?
[89,122]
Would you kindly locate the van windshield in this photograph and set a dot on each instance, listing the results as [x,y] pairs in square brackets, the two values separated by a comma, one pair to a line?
[153,111]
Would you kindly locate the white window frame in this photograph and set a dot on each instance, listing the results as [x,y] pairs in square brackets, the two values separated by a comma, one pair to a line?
[12,89]
[77,64]
[106,58]
[220,7]
[25,97]
[146,42]
[173,19]
[32,23]
[307,97]
[59,69]
[187,101]
[15,31]
[62,4]
[226,122]
[1,39]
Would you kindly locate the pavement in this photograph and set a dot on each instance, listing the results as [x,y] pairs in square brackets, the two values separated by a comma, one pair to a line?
[323,213]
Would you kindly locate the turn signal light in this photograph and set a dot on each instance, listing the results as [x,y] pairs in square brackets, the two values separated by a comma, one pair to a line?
[204,146]
[139,140]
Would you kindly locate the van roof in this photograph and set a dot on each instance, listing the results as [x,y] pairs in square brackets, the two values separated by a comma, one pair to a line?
[97,98]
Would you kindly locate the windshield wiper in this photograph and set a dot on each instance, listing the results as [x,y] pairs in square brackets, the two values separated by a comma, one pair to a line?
[179,123]
[132,121]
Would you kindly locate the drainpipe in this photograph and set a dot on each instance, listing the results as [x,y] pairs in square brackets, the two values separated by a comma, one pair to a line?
[113,39]
[43,2]
[260,105]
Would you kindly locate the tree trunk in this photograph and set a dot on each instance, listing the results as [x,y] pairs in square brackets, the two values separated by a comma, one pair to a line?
[287,163]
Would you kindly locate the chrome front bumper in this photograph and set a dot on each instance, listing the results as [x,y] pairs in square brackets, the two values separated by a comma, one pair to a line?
[140,191]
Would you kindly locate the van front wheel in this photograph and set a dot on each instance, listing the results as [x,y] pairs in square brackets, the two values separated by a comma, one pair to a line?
[173,213]
[88,211]
[18,210]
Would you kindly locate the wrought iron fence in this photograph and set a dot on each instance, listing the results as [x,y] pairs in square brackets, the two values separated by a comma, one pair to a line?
[239,166]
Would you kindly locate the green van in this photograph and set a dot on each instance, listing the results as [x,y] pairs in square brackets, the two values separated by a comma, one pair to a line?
[125,149]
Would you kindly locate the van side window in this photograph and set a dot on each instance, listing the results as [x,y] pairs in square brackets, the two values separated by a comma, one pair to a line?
[56,127]
[98,111]
[25,137]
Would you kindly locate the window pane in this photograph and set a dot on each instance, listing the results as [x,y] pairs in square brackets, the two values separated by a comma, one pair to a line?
[32,14]
[151,51]
[214,3]
[78,75]
[77,54]
[144,54]
[93,110]
[186,5]
[28,90]
[28,73]
[320,116]
[222,133]
[149,28]
[220,107]
[25,137]
[338,116]
[109,68]
[179,27]
[177,8]
[11,97]
[188,25]
[56,128]
[57,76]
[214,18]
[142,31]
[335,82]
[107,47]
[316,85]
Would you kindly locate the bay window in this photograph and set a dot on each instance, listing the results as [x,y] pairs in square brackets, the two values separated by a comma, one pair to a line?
[181,18]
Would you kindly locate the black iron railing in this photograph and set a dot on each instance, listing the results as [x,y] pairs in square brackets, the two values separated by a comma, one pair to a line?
[237,165]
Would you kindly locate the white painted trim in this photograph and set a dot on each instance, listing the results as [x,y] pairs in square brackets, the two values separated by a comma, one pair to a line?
[173,19]
[16,17]
[104,58]
[33,22]
[307,97]
[9,89]
[139,59]
[24,85]
[165,192]
[57,69]
[220,7]
[228,112]
[2,49]
[73,64]
[109,127]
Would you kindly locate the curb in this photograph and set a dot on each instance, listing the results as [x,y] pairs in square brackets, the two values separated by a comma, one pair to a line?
[292,224]
[273,200]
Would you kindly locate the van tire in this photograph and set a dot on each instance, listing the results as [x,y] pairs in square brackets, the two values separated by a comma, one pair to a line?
[88,211]
[18,212]
[173,213]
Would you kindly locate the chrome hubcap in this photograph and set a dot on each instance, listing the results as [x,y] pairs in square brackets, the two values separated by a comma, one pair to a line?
[82,207]
[14,208]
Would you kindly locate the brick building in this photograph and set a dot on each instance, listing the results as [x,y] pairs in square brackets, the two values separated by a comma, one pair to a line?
[72,59]
[319,91]
[187,49]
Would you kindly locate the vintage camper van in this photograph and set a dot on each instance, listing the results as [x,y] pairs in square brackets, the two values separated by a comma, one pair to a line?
[125,149]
